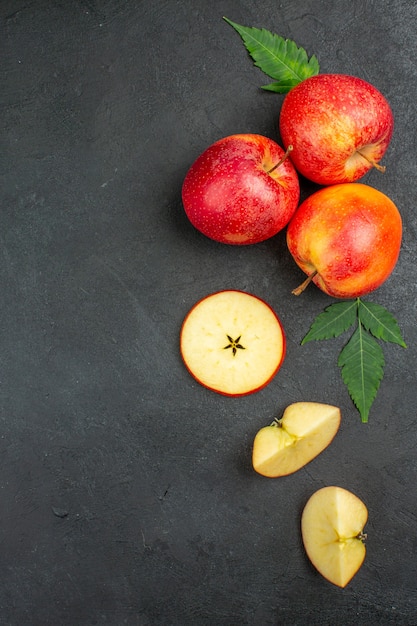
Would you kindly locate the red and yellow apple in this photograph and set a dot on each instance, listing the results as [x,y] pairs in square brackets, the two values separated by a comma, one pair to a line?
[241,190]
[332,526]
[339,126]
[232,342]
[286,445]
[346,238]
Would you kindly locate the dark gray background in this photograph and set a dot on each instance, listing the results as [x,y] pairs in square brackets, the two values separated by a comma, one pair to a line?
[126,489]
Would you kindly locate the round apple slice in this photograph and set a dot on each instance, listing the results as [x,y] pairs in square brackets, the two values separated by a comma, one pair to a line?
[232,342]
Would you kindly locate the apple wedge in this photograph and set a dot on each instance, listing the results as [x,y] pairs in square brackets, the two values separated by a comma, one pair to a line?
[332,526]
[232,342]
[305,430]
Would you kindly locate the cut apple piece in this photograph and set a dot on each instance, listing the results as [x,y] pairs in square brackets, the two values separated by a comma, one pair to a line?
[332,526]
[305,430]
[232,342]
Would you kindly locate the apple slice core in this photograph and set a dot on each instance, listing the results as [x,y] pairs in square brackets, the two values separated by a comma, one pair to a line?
[232,342]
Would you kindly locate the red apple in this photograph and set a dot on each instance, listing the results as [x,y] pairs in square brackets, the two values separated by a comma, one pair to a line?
[232,342]
[339,126]
[347,238]
[241,190]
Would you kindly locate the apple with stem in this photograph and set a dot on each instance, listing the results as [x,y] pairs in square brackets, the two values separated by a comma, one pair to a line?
[332,526]
[232,342]
[346,238]
[286,445]
[241,190]
[339,126]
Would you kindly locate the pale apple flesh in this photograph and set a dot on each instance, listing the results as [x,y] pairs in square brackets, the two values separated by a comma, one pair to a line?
[241,190]
[332,525]
[340,127]
[232,342]
[347,237]
[303,432]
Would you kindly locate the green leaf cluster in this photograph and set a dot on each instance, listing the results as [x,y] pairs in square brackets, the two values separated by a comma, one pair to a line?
[279,58]
[361,360]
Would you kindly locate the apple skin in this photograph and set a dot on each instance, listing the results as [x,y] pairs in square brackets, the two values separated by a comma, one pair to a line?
[329,117]
[350,234]
[230,196]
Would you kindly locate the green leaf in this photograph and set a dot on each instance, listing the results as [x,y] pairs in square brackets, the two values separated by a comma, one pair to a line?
[282,87]
[279,58]
[334,321]
[361,360]
[378,321]
[362,364]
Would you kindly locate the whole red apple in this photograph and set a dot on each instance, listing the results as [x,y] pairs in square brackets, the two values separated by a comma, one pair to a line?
[339,126]
[241,190]
[347,238]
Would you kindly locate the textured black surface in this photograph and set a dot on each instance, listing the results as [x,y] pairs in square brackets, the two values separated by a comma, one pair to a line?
[126,489]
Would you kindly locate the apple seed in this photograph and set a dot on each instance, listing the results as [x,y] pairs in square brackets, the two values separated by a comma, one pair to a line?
[234,344]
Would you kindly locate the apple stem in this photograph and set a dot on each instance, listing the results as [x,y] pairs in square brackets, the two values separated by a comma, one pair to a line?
[281,161]
[299,290]
[377,166]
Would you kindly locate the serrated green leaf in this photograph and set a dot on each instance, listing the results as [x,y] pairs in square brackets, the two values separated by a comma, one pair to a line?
[334,321]
[282,87]
[279,58]
[378,321]
[362,363]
